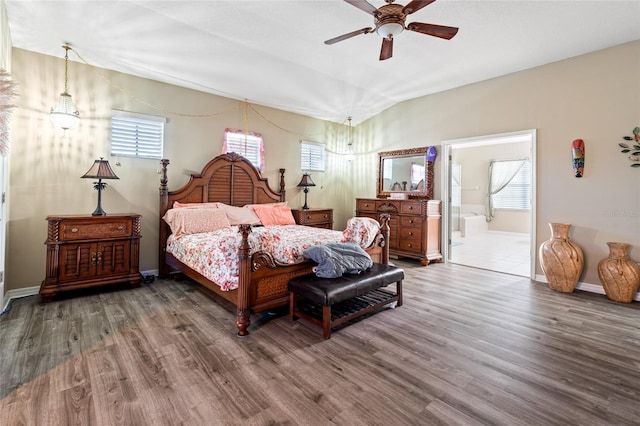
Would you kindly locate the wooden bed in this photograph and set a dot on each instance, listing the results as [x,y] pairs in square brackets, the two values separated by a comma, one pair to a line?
[233,180]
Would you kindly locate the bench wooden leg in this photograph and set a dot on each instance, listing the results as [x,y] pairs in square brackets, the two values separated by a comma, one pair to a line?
[326,322]
[292,305]
[399,293]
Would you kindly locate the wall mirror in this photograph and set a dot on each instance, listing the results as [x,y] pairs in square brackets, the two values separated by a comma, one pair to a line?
[405,173]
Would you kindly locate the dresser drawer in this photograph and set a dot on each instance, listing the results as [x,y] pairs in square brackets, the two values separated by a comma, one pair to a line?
[83,230]
[411,207]
[412,234]
[366,205]
[410,245]
[410,221]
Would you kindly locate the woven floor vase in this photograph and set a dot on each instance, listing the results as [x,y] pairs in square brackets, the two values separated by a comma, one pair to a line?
[561,259]
[620,275]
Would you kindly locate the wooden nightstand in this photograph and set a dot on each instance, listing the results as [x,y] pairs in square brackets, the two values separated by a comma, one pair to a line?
[87,251]
[319,218]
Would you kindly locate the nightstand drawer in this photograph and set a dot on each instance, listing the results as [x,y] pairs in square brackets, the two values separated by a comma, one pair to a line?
[320,218]
[82,231]
[317,216]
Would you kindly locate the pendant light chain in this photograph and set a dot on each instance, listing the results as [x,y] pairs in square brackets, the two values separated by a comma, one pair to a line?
[66,68]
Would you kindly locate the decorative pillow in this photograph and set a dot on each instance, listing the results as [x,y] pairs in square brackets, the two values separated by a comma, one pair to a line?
[281,203]
[194,221]
[361,230]
[239,215]
[336,259]
[179,205]
[274,215]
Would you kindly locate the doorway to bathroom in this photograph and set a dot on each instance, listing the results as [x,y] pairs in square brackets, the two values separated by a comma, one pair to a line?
[489,216]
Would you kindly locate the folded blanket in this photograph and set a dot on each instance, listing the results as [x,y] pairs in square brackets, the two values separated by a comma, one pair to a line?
[336,259]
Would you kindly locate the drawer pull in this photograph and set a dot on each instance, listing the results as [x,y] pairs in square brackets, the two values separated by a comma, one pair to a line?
[120,228]
[74,229]
[326,216]
[410,233]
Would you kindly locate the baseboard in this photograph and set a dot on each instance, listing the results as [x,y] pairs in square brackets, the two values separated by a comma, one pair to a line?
[32,291]
[17,294]
[591,288]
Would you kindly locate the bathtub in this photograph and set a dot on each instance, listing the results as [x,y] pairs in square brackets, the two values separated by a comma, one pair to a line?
[472,224]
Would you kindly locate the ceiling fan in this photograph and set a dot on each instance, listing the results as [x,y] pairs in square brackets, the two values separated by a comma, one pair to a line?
[389,22]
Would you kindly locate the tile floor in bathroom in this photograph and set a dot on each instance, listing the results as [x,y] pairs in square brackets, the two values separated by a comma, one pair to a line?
[497,251]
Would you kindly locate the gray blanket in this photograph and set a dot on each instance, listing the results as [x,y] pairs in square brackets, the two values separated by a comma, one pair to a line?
[336,259]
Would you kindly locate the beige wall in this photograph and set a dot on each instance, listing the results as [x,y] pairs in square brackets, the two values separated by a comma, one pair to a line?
[595,97]
[48,162]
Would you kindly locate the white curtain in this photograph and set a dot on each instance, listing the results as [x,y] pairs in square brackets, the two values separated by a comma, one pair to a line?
[501,172]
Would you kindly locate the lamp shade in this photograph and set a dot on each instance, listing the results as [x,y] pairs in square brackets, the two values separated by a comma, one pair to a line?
[389,30]
[100,170]
[306,181]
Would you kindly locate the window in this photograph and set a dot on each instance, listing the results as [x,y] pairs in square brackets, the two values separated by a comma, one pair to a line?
[516,194]
[249,145]
[136,135]
[312,156]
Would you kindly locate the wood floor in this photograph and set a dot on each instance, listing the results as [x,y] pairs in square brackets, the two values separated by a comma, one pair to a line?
[469,347]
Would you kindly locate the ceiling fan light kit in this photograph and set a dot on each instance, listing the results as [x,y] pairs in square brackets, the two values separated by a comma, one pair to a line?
[389,22]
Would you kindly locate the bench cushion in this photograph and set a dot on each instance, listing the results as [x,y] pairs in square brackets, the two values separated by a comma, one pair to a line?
[328,291]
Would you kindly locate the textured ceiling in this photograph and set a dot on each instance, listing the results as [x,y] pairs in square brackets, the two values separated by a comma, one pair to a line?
[272,52]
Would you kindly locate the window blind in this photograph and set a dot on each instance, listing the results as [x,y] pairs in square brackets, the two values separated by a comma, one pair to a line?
[249,145]
[136,135]
[312,156]
[517,193]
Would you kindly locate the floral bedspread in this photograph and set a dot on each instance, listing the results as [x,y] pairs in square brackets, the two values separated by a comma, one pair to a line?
[215,254]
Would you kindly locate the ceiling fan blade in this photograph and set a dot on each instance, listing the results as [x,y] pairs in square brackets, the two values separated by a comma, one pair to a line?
[415,6]
[433,30]
[363,5]
[348,35]
[387,49]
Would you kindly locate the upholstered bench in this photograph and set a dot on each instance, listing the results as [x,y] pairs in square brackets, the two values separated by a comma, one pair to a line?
[329,302]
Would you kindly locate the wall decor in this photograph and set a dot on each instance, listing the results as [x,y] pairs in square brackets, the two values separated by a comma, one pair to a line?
[577,152]
[7,92]
[634,149]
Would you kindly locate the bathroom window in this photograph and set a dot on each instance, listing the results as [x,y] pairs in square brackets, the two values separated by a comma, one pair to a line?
[511,184]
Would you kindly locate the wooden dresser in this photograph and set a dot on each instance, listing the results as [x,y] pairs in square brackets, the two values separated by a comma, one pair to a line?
[414,223]
[319,218]
[87,251]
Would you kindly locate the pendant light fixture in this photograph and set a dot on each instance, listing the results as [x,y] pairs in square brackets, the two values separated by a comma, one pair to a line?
[65,114]
[350,154]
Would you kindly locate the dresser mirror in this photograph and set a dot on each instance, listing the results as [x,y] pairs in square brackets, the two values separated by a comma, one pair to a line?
[405,173]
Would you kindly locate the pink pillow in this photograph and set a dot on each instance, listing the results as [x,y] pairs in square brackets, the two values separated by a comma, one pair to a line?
[194,221]
[179,205]
[281,203]
[274,215]
[239,215]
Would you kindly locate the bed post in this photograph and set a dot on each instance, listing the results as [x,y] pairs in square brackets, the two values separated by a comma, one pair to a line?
[282,190]
[244,282]
[163,234]
[384,228]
